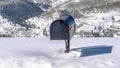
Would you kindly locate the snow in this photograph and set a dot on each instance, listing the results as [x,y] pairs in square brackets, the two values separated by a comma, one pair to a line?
[106,19]
[35,26]
[77,0]
[44,53]
[99,21]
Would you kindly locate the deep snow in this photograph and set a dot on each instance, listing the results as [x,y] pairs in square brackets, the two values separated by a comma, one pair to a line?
[44,53]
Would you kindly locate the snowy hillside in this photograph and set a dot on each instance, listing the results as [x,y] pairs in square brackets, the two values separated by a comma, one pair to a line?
[43,53]
[32,18]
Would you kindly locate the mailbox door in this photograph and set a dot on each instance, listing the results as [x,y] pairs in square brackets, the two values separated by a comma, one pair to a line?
[69,20]
[59,31]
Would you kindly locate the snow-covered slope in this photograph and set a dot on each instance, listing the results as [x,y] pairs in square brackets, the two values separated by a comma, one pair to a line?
[43,53]
[32,18]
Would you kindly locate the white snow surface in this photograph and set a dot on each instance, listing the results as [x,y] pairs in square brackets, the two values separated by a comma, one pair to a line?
[44,53]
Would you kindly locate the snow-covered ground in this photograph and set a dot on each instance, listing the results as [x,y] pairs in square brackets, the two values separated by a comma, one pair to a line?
[44,53]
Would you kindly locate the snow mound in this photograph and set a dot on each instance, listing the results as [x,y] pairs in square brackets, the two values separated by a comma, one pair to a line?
[24,63]
[72,54]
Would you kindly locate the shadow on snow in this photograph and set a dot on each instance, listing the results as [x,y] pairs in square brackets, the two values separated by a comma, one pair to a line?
[93,50]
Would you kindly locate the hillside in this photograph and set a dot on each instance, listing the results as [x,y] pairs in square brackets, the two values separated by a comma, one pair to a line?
[32,18]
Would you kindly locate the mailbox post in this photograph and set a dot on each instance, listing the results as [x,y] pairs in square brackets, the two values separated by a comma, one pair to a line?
[67,42]
[63,29]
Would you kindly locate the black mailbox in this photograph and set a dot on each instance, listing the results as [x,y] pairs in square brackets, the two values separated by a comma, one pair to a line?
[63,29]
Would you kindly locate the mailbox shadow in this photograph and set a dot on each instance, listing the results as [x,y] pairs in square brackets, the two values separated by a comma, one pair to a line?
[93,50]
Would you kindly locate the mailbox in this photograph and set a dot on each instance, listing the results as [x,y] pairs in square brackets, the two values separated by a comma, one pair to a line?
[62,28]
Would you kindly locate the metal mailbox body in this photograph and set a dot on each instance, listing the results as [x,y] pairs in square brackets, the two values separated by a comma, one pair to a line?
[63,28]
